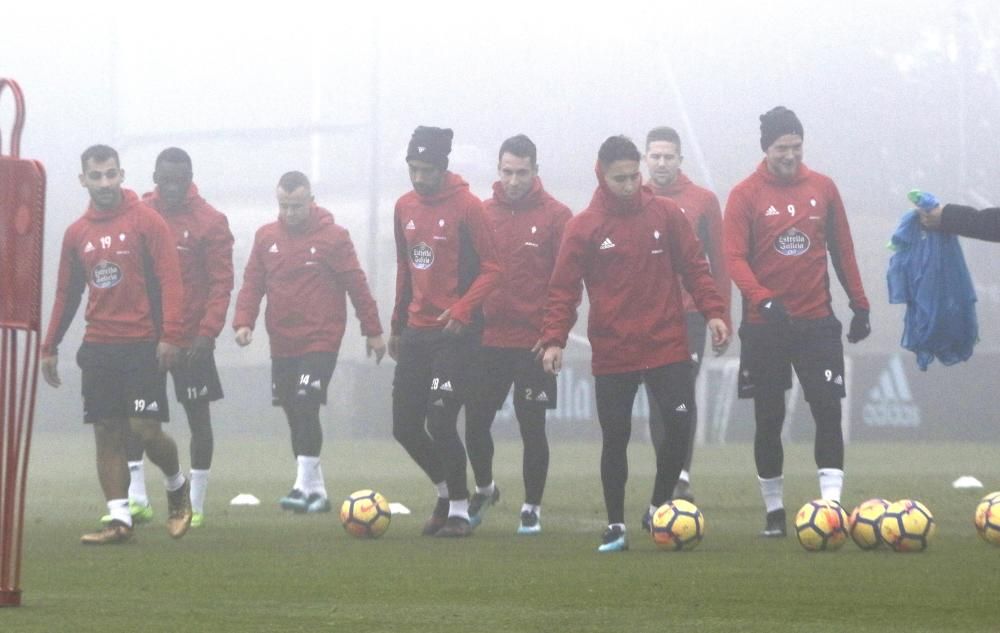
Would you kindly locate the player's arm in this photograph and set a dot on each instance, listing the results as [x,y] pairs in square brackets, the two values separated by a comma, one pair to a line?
[404,289]
[841,248]
[162,251]
[969,222]
[716,257]
[250,295]
[564,294]
[736,235]
[219,271]
[71,282]
[349,275]
[688,258]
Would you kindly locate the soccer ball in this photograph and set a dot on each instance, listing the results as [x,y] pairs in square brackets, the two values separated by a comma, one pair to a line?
[677,525]
[821,525]
[987,518]
[863,523]
[365,514]
[907,526]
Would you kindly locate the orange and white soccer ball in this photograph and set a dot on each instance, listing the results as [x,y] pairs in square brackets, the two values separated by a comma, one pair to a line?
[365,514]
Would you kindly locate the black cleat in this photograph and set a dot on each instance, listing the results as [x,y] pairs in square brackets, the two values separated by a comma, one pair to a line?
[438,517]
[529,523]
[455,527]
[775,526]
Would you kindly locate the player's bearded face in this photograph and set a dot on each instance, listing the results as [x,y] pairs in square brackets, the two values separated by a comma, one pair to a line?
[103,180]
[425,177]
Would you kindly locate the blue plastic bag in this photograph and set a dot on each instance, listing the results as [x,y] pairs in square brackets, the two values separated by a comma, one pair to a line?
[928,273]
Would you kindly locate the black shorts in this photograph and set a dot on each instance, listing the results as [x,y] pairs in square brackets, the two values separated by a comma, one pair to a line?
[769,351]
[497,368]
[434,364]
[306,376]
[121,381]
[194,382]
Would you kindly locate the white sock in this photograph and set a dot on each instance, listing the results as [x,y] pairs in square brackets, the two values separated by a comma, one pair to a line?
[772,490]
[118,509]
[685,476]
[199,483]
[174,482]
[458,508]
[137,483]
[831,482]
[652,509]
[487,490]
[527,507]
[442,489]
[621,525]
[311,474]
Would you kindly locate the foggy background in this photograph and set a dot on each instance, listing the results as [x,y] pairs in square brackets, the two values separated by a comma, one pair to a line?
[893,95]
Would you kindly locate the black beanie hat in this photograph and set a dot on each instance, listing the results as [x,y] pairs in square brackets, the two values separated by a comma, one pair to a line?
[430,145]
[777,122]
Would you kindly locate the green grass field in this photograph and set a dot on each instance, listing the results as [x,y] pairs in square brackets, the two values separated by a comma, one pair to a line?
[258,569]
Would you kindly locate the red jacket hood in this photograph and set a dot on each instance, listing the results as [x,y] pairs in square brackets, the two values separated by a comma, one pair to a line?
[452,185]
[130,199]
[607,202]
[529,200]
[801,175]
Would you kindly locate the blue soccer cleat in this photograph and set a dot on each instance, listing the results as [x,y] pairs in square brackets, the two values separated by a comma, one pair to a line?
[613,540]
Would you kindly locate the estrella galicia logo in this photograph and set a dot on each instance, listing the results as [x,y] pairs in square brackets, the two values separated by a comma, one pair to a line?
[792,242]
[106,274]
[422,256]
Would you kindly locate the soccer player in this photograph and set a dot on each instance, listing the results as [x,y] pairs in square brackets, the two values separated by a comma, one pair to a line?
[527,225]
[304,263]
[700,206]
[446,265]
[779,224]
[205,249]
[123,252]
[633,250]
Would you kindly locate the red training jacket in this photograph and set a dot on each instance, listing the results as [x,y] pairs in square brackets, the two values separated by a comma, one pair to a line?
[527,232]
[304,272]
[701,208]
[445,256]
[777,234]
[123,256]
[205,251]
[632,257]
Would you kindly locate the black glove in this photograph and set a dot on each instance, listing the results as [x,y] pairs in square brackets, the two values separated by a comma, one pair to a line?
[861,327]
[773,311]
